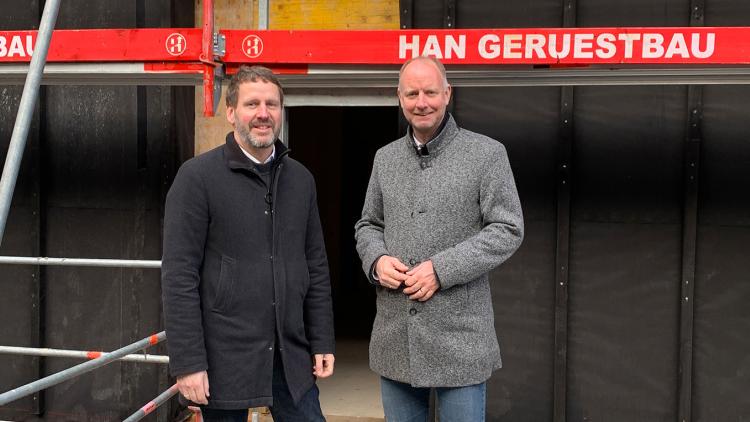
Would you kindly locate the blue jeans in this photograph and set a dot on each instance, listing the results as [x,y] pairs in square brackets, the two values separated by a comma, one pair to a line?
[404,403]
[283,410]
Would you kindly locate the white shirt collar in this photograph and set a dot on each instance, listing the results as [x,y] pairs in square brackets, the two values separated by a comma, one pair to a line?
[255,160]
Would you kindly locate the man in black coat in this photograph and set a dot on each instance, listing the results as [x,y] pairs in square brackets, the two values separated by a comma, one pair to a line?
[245,283]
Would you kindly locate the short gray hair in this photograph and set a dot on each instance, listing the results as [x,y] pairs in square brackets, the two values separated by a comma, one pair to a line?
[431,59]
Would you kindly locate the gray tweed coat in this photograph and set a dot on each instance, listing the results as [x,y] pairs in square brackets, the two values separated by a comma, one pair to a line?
[458,207]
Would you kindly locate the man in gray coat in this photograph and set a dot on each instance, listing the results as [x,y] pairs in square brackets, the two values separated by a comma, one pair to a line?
[441,211]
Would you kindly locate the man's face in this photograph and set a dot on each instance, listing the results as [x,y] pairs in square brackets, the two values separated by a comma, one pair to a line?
[424,96]
[257,116]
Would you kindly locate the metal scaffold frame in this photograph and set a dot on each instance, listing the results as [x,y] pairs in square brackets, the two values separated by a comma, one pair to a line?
[309,60]
[25,111]
[103,359]
[98,360]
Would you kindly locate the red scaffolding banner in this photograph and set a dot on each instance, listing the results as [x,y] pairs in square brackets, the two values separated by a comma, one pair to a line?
[574,46]
[496,46]
[106,45]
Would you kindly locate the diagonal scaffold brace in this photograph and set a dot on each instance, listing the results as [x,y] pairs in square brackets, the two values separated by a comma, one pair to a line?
[153,404]
[77,370]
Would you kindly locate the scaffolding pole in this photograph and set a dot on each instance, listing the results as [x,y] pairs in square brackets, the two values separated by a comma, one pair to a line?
[153,404]
[78,354]
[26,111]
[77,370]
[81,262]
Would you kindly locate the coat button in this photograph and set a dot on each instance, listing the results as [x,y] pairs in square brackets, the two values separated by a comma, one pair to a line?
[423,164]
[412,262]
[413,311]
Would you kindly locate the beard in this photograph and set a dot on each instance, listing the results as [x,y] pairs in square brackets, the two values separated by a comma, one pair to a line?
[255,141]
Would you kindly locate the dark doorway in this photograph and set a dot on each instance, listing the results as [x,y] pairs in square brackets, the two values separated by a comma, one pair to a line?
[337,144]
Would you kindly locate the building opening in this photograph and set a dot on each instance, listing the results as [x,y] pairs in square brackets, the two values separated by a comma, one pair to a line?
[337,144]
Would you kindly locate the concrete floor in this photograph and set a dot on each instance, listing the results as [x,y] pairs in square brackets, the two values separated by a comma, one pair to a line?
[352,394]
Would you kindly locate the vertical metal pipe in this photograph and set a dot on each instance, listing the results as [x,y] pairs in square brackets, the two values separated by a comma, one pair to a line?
[37,235]
[263,14]
[208,30]
[689,245]
[692,148]
[562,249]
[26,110]
[207,57]
[407,13]
[449,14]
[562,258]
[449,22]
[569,13]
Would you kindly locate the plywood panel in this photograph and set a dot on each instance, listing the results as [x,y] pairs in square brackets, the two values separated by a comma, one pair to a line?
[230,14]
[209,131]
[333,14]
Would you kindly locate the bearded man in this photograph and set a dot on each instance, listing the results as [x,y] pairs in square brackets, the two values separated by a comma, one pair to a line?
[246,291]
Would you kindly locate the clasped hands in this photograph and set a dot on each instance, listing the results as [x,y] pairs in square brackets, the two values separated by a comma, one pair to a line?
[420,282]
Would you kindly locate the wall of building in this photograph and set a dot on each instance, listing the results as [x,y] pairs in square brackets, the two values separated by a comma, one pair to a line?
[608,343]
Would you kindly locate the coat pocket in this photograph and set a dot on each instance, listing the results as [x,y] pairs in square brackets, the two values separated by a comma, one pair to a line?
[225,285]
[300,277]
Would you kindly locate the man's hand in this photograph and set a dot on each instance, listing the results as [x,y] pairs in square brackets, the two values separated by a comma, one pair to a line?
[390,271]
[194,387]
[421,282]
[323,366]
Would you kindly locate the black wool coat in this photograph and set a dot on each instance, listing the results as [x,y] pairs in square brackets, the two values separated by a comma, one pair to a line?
[244,272]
